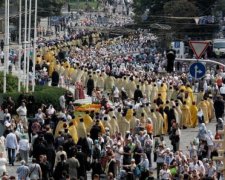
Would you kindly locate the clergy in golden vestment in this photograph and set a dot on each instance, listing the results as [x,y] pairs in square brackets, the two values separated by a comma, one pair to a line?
[169,92]
[208,107]
[81,129]
[186,115]
[148,90]
[88,121]
[154,93]
[210,99]
[194,117]
[165,120]
[159,123]
[190,92]
[73,132]
[163,91]
[131,88]
[154,122]
[202,105]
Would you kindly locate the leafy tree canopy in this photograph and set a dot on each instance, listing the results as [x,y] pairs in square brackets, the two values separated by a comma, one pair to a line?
[162,7]
[48,8]
[180,8]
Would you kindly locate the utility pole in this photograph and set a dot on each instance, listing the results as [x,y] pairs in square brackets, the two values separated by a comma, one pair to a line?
[34,48]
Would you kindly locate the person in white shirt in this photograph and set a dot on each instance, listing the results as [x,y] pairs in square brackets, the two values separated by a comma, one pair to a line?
[164,173]
[62,102]
[40,116]
[222,91]
[24,148]
[116,94]
[11,145]
[22,112]
[50,110]
[197,165]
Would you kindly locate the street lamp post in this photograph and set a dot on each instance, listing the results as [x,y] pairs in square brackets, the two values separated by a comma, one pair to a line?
[20,48]
[5,58]
[6,54]
[25,44]
[34,47]
[29,48]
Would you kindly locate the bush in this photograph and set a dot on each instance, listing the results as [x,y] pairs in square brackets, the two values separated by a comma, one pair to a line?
[42,95]
[11,83]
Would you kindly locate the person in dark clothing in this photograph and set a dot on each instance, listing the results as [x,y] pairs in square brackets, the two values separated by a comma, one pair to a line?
[137,153]
[45,65]
[96,168]
[2,45]
[49,136]
[90,86]
[83,161]
[159,100]
[84,144]
[30,105]
[111,166]
[69,146]
[219,107]
[55,78]
[61,168]
[51,157]
[95,130]
[137,95]
[171,117]
[124,95]
[39,147]
[44,167]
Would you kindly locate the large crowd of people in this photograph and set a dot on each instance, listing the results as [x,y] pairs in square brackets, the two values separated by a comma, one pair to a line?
[124,139]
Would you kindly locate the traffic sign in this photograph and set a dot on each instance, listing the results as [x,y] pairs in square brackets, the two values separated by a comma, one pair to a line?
[177,44]
[197,70]
[198,47]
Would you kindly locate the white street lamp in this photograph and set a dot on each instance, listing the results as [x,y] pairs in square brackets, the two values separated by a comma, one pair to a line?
[29,47]
[34,47]
[25,43]
[20,46]
[6,54]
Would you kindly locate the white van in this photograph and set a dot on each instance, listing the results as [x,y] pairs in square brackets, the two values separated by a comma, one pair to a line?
[219,47]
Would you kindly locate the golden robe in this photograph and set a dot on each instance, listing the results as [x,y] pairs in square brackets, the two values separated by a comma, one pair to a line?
[73,133]
[154,93]
[81,130]
[88,121]
[154,122]
[159,123]
[163,91]
[202,105]
[186,116]
[124,125]
[129,114]
[194,117]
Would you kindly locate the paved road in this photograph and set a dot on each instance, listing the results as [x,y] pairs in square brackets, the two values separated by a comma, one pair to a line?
[187,136]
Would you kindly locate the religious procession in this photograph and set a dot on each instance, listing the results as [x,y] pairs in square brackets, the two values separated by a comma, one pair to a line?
[114,123]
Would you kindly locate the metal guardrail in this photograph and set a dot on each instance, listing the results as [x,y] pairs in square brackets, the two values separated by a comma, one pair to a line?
[201,60]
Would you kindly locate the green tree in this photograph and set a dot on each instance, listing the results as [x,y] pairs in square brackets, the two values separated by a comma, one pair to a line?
[180,8]
[47,8]
[2,2]
[220,6]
